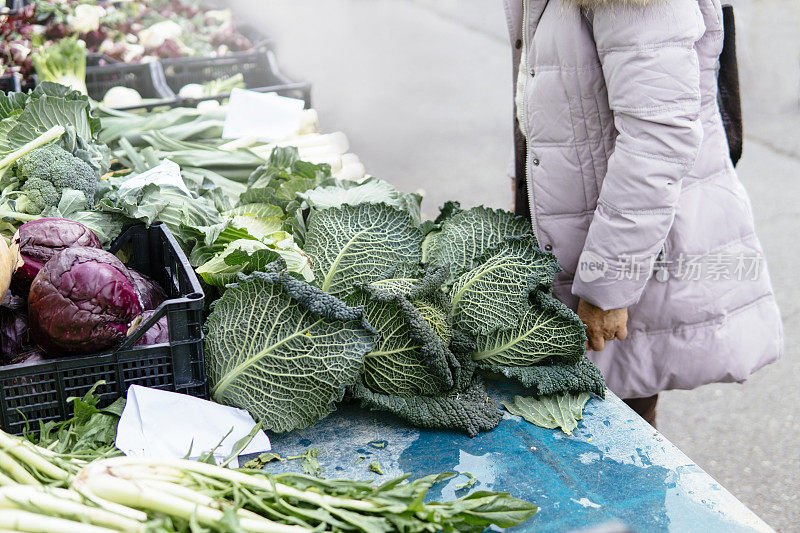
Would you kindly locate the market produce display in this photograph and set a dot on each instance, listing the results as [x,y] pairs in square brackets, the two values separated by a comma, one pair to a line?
[374,304]
[71,478]
[130,32]
[330,284]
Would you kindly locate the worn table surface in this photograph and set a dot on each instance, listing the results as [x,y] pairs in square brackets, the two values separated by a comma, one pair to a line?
[614,468]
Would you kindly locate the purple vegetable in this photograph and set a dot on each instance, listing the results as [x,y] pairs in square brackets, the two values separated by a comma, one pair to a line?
[82,301]
[157,334]
[39,240]
[150,292]
[28,357]
[14,334]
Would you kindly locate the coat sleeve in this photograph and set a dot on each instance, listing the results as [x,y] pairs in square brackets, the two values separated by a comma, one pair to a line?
[652,74]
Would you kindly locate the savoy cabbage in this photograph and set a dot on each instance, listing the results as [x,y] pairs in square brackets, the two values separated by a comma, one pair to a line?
[466,237]
[282,349]
[352,245]
[405,316]
[494,294]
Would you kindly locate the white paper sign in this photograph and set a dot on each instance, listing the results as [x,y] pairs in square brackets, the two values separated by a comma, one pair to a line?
[166,173]
[267,117]
[157,423]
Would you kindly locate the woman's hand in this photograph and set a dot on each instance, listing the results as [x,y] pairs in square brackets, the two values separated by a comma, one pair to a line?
[602,326]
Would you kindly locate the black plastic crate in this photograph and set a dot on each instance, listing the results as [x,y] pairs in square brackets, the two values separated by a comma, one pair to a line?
[96,59]
[146,78]
[259,68]
[259,40]
[11,6]
[39,391]
[11,83]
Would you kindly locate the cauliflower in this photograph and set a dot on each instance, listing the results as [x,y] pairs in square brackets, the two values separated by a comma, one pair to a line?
[155,35]
[86,18]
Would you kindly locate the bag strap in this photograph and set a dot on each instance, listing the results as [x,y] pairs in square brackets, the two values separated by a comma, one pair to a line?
[730,105]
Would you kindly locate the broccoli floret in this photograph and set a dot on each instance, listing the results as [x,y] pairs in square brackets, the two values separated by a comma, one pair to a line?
[41,195]
[49,170]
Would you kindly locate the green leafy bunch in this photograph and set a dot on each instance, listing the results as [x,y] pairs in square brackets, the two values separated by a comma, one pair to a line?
[51,159]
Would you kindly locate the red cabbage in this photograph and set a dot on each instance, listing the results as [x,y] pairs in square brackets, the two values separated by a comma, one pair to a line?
[82,301]
[149,290]
[41,239]
[14,334]
[157,334]
[28,357]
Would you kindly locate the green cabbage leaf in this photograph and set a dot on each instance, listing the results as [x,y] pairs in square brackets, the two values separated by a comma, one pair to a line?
[283,350]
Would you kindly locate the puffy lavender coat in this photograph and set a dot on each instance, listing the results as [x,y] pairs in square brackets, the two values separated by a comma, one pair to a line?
[628,175]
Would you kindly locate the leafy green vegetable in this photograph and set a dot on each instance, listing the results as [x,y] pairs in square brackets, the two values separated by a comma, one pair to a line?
[256,210]
[355,245]
[469,483]
[248,255]
[270,336]
[467,236]
[166,203]
[235,165]
[262,459]
[555,378]
[372,190]
[554,411]
[310,464]
[220,270]
[282,177]
[410,358]
[62,62]
[89,434]
[375,466]
[494,294]
[470,410]
[547,330]
[51,105]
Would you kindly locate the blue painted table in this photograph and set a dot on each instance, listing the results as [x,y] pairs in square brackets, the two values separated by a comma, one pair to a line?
[614,468]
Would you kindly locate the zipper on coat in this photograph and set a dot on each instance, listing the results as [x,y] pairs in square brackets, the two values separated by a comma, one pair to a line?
[524,123]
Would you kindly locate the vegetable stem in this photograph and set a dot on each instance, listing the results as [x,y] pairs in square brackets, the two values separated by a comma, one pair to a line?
[19,520]
[34,459]
[14,470]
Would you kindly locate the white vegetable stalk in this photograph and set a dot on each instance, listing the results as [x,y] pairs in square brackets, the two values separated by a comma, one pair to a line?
[352,169]
[16,471]
[154,468]
[18,520]
[197,497]
[337,141]
[5,480]
[309,122]
[311,145]
[66,504]
[130,482]
[28,454]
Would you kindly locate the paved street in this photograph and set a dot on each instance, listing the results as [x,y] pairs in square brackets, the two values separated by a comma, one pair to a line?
[423,90]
